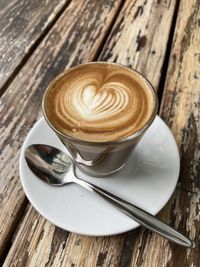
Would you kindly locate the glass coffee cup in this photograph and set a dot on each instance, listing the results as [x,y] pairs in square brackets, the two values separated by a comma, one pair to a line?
[100,111]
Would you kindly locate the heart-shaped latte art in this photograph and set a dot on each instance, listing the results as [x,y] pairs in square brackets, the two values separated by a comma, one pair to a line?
[93,104]
[96,103]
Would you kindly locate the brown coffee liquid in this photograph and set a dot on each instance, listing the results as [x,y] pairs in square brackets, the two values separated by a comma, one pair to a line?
[99,102]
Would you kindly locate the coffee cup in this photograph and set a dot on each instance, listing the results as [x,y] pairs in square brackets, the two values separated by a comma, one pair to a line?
[100,111]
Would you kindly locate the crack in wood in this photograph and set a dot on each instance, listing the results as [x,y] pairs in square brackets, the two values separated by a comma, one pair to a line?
[101,259]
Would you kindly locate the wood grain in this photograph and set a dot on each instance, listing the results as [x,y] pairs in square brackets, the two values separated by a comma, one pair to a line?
[181,111]
[76,250]
[23,23]
[46,245]
[75,38]
[139,37]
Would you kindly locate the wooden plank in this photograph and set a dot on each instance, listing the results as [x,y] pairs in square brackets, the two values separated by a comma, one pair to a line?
[48,245]
[22,24]
[75,38]
[181,111]
[101,251]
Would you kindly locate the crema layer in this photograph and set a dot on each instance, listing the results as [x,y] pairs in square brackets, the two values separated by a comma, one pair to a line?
[99,102]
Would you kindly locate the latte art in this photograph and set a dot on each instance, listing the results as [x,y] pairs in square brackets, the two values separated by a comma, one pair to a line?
[93,104]
[98,103]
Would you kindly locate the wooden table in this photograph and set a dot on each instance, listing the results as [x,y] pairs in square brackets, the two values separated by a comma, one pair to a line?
[38,40]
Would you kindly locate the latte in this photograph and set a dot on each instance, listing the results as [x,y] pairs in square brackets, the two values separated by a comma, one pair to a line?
[99,102]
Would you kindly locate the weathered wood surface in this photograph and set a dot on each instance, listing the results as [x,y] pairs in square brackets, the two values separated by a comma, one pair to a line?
[139,37]
[75,38]
[48,245]
[22,24]
[53,247]
[181,111]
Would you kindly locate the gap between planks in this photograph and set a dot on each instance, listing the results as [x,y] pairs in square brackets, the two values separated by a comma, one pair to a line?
[167,55]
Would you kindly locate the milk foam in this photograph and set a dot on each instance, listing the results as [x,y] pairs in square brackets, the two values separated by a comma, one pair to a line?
[93,104]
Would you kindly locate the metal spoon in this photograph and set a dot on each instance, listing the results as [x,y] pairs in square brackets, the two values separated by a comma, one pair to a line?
[56,168]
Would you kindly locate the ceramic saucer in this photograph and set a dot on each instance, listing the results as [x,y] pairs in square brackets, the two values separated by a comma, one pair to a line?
[148,180]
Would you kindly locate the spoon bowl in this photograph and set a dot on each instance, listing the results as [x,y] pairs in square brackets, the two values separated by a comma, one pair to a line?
[50,164]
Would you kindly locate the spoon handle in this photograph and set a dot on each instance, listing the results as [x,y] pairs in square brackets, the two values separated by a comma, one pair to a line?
[139,215]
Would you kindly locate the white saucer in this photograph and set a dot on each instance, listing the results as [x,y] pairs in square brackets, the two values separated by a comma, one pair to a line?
[148,180]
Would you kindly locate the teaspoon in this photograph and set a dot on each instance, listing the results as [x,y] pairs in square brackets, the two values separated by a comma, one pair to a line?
[57,169]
